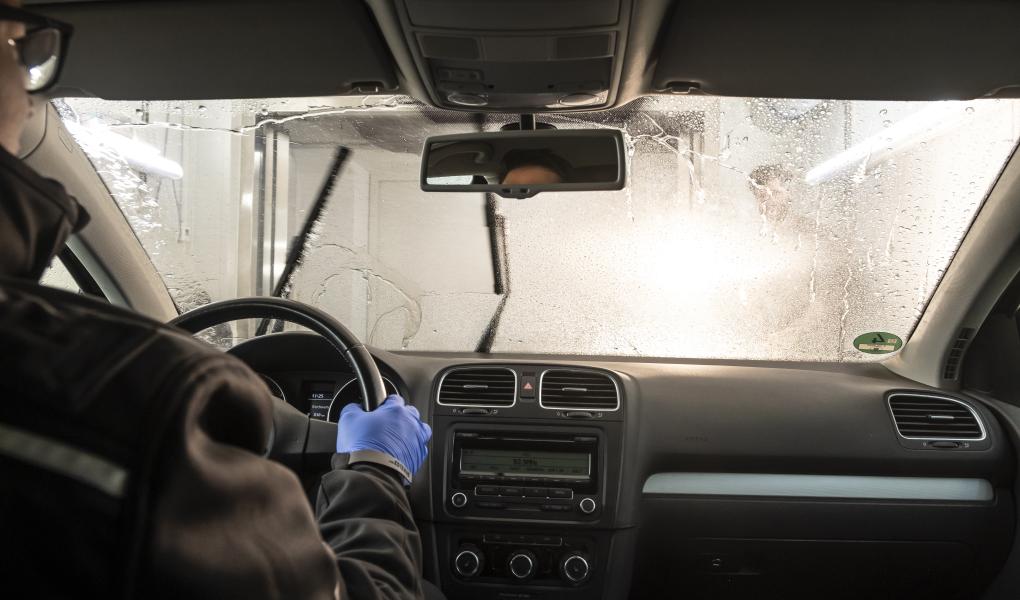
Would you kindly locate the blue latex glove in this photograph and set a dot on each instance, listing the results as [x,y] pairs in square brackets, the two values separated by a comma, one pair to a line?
[394,429]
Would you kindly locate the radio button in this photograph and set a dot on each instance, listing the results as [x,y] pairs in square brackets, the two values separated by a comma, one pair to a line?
[459,499]
[587,505]
[486,490]
[511,491]
[556,507]
[561,493]
[533,492]
[490,504]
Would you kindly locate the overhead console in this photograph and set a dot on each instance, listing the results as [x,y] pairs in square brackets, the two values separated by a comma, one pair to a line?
[509,56]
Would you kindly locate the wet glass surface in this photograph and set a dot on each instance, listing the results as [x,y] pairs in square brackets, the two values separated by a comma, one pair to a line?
[749,228]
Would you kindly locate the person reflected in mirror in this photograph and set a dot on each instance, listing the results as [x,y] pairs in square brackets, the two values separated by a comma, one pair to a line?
[533,167]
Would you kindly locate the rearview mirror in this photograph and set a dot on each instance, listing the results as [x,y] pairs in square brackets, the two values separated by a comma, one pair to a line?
[520,164]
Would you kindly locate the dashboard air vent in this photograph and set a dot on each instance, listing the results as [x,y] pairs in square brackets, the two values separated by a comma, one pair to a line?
[490,387]
[577,390]
[920,416]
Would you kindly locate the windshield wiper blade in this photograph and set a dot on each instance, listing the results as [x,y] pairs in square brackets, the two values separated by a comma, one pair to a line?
[296,253]
[500,270]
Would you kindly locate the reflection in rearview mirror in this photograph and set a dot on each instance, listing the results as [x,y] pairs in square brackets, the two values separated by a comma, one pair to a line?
[520,164]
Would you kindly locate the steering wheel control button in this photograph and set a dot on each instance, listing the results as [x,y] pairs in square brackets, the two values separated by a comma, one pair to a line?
[575,568]
[459,499]
[587,505]
[468,562]
[521,564]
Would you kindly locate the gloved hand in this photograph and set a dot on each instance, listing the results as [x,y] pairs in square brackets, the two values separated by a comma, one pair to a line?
[394,429]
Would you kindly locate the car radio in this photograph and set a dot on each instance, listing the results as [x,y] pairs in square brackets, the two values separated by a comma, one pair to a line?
[524,475]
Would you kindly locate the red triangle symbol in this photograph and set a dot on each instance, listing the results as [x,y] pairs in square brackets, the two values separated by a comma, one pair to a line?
[528,386]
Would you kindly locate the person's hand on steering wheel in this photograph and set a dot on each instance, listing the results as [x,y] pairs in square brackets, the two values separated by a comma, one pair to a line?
[392,435]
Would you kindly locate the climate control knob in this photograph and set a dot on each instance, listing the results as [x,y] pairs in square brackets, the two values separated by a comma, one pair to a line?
[574,568]
[521,564]
[468,562]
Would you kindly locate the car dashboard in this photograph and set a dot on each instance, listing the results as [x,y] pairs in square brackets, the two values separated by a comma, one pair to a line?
[562,477]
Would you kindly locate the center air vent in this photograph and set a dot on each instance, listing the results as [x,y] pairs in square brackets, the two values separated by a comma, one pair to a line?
[478,387]
[920,416]
[577,390]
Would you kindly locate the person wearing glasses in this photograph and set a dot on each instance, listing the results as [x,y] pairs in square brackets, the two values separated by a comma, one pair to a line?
[132,456]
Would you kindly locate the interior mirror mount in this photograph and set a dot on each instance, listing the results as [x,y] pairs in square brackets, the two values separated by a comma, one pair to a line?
[522,163]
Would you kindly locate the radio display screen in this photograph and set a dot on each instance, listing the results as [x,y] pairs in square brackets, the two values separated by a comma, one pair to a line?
[523,463]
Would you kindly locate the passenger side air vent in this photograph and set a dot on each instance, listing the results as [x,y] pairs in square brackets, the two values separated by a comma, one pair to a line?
[920,416]
[490,387]
[577,390]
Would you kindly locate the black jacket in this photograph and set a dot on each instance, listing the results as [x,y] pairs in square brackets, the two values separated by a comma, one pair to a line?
[131,455]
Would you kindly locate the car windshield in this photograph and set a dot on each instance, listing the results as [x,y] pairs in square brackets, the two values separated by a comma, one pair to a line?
[749,228]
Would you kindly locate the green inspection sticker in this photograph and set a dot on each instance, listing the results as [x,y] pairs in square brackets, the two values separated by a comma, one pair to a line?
[878,342]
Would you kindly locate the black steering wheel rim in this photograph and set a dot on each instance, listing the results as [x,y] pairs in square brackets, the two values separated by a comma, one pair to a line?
[346,343]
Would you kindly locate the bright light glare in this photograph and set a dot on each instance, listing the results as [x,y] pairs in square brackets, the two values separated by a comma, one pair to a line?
[138,155]
[926,124]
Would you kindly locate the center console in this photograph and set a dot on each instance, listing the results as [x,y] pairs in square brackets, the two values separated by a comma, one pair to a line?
[526,498]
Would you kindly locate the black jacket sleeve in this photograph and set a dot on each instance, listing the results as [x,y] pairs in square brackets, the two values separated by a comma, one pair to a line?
[36,217]
[365,517]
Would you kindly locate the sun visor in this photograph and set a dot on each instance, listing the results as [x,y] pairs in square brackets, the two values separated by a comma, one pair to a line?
[220,49]
[933,49]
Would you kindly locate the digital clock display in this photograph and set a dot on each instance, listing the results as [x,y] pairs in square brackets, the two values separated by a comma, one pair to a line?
[319,395]
[558,465]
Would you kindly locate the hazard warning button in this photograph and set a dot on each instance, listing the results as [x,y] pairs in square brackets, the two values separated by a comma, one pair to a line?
[528,386]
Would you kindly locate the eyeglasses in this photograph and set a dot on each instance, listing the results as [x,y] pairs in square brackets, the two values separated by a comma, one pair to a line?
[42,49]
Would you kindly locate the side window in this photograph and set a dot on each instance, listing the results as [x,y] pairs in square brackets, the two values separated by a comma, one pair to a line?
[57,276]
[67,272]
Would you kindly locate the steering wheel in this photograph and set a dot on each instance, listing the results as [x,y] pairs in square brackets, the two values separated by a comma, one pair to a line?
[294,434]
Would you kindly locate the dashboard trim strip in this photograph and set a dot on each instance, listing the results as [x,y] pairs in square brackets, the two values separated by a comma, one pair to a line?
[820,486]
